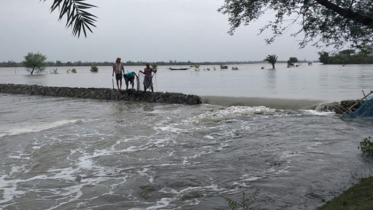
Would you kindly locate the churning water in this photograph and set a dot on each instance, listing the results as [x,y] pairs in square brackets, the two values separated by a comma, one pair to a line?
[256,130]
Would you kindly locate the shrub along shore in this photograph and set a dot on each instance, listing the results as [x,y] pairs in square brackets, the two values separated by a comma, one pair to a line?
[101,94]
[359,196]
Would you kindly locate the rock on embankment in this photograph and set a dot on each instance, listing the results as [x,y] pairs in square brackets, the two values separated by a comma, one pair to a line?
[101,94]
[341,107]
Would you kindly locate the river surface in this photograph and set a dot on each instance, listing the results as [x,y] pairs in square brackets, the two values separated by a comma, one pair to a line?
[258,129]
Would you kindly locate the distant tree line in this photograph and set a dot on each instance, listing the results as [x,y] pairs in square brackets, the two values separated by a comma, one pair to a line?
[130,63]
[361,54]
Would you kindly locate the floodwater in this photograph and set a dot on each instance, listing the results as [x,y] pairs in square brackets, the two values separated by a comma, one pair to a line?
[258,129]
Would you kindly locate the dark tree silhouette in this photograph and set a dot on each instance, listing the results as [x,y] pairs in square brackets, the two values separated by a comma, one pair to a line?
[332,22]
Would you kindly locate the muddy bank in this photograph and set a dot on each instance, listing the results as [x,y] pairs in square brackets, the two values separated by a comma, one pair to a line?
[101,94]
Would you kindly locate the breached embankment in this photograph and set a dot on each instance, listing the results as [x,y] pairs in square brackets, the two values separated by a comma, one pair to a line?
[343,107]
[101,94]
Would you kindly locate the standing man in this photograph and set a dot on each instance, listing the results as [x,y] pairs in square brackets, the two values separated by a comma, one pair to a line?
[148,80]
[118,69]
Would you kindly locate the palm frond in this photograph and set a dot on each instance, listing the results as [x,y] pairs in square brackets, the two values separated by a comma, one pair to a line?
[77,16]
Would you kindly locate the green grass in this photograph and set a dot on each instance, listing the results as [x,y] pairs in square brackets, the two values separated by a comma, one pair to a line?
[358,197]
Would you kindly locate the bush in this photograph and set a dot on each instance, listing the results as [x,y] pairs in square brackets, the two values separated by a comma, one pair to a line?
[54,71]
[245,203]
[94,69]
[71,70]
[366,146]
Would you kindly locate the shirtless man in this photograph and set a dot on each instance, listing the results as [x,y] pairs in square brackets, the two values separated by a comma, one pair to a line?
[118,69]
[148,80]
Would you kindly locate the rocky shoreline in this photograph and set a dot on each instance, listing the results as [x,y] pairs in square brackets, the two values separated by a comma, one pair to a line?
[101,94]
[132,95]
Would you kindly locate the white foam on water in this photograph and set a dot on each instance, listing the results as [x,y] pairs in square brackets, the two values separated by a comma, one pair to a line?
[283,171]
[143,173]
[209,137]
[249,177]
[171,153]
[289,154]
[16,169]
[159,142]
[9,188]
[20,156]
[233,112]
[169,129]
[314,112]
[164,202]
[35,128]
[85,162]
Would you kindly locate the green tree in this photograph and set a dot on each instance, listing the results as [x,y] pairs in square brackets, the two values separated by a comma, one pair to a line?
[35,62]
[77,16]
[348,52]
[154,66]
[324,57]
[195,66]
[272,59]
[332,22]
[94,69]
[292,60]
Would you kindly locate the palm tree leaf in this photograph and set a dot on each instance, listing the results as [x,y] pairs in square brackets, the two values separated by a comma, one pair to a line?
[77,16]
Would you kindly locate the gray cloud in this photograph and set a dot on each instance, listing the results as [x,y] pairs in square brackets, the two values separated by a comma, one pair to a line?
[139,30]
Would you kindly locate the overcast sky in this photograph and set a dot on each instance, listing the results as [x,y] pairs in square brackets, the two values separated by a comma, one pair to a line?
[139,30]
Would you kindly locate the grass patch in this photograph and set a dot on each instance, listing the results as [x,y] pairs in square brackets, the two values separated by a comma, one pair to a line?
[358,197]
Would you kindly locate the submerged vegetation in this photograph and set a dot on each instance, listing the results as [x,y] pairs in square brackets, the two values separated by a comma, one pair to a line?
[71,70]
[195,66]
[358,196]
[34,62]
[53,71]
[94,69]
[366,146]
[272,59]
[245,203]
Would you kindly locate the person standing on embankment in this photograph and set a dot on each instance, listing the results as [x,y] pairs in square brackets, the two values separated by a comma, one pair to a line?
[148,80]
[118,69]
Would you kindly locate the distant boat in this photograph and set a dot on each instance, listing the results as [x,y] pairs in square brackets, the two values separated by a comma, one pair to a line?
[178,68]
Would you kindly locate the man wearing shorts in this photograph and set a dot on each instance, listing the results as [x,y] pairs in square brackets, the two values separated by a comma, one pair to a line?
[129,77]
[118,69]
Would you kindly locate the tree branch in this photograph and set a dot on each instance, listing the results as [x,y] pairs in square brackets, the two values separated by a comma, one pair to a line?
[349,14]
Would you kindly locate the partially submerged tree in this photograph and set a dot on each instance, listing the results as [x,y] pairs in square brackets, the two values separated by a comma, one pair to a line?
[272,59]
[155,66]
[195,66]
[77,16]
[292,61]
[94,69]
[35,62]
[333,22]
